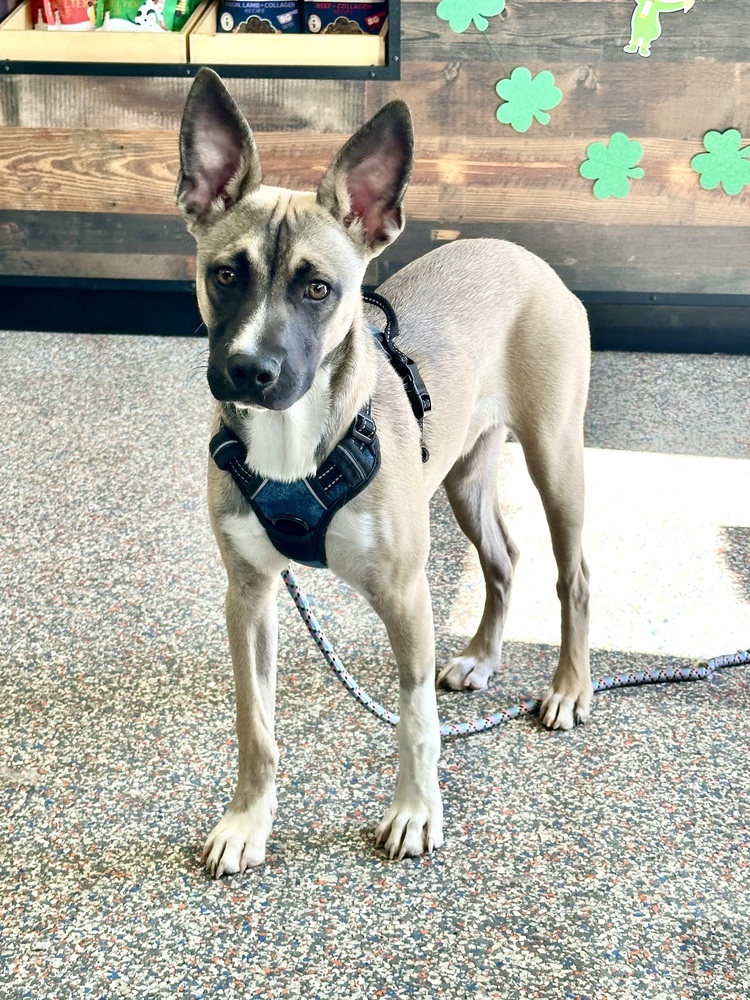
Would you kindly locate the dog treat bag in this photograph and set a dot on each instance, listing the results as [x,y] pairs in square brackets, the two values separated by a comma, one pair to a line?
[146,15]
[64,15]
[357,17]
[259,17]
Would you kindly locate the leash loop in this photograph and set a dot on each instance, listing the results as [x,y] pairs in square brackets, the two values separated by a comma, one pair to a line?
[526,706]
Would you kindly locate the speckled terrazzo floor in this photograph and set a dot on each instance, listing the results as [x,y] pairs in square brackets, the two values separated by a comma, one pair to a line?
[609,863]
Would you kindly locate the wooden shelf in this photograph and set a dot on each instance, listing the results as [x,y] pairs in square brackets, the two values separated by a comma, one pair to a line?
[19,40]
[209,47]
[24,49]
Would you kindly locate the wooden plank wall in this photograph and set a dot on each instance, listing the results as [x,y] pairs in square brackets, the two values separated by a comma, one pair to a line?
[87,164]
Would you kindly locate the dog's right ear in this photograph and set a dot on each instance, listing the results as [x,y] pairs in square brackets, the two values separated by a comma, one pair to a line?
[219,160]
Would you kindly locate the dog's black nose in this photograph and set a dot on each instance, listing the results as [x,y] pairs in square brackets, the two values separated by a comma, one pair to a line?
[250,374]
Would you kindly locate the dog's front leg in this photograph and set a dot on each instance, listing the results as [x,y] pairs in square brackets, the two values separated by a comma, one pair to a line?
[413,824]
[238,841]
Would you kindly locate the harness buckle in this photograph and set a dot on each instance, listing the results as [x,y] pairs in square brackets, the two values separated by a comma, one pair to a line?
[416,390]
[364,428]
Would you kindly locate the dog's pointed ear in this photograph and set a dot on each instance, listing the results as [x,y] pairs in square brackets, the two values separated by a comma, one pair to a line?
[365,185]
[219,161]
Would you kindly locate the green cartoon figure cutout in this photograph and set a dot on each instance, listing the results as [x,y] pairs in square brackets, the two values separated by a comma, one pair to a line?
[645,26]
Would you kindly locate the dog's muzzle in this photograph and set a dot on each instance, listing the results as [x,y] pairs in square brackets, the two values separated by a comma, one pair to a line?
[251,380]
[248,375]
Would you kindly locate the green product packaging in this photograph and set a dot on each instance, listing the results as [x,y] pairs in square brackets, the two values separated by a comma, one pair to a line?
[144,15]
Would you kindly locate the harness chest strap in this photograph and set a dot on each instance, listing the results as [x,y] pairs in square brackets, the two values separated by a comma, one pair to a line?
[296,515]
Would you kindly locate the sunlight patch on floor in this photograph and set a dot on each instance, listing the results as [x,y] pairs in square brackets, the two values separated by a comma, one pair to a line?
[660,582]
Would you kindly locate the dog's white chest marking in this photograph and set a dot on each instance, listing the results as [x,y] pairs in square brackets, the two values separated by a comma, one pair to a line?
[281,443]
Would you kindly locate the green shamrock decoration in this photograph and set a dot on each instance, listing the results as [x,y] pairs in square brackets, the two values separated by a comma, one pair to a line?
[612,166]
[724,163]
[460,13]
[527,97]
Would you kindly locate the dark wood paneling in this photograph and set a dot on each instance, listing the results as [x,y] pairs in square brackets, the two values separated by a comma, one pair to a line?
[618,258]
[459,99]
[145,103]
[498,179]
[116,266]
[93,232]
[104,245]
[561,31]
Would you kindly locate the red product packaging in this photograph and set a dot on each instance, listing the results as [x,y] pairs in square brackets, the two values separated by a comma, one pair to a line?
[70,15]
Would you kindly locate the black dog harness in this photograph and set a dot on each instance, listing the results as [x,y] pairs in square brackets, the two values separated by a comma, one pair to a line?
[404,366]
[296,515]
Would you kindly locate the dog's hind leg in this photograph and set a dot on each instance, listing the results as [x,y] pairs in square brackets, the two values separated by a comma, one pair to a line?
[471,486]
[555,463]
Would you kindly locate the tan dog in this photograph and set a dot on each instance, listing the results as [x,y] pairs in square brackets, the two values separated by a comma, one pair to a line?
[500,343]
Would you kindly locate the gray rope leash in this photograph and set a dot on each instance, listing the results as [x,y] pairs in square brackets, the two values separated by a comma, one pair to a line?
[699,671]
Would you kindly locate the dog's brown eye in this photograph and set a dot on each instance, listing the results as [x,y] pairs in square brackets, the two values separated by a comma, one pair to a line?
[226,276]
[317,290]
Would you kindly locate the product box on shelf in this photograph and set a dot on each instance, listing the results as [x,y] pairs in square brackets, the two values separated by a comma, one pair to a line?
[354,17]
[210,46]
[65,15]
[143,15]
[259,17]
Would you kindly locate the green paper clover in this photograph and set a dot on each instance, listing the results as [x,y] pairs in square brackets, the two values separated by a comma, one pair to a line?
[724,163]
[527,98]
[460,13]
[613,166]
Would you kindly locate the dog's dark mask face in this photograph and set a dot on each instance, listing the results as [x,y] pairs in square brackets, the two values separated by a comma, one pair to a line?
[279,272]
[273,303]
[260,356]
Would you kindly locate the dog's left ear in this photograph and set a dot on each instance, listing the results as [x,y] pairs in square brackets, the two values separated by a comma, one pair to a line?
[365,185]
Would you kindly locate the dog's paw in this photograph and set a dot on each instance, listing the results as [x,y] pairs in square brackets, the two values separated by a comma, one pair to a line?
[238,841]
[466,672]
[413,825]
[559,710]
